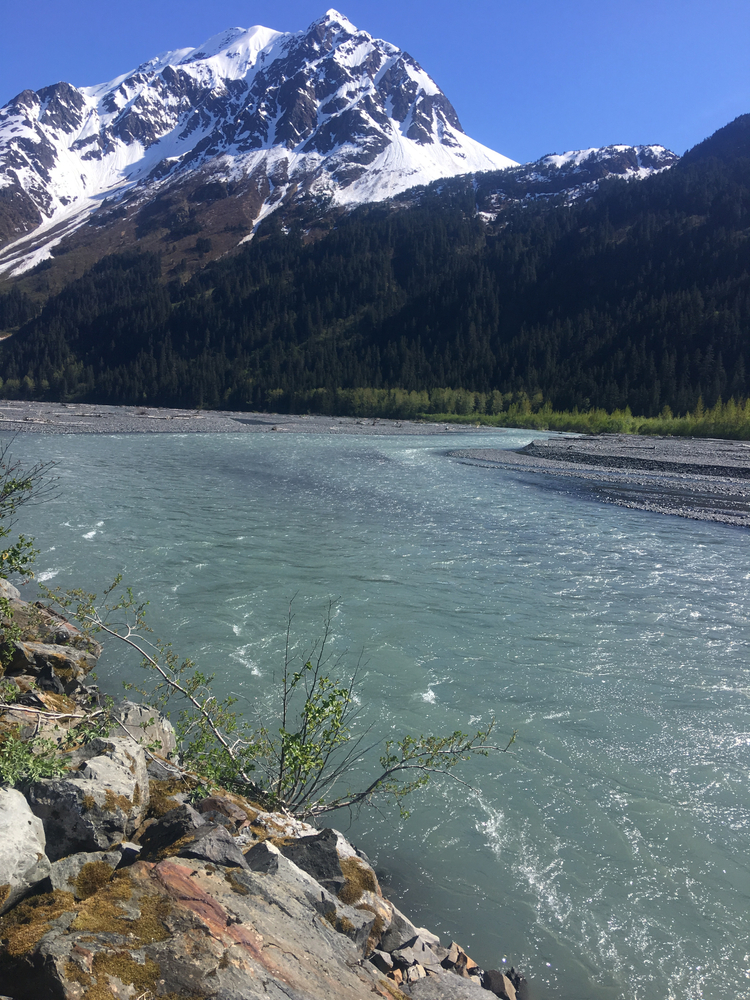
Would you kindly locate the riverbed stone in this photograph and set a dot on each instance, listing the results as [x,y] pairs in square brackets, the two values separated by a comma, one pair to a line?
[23,861]
[100,804]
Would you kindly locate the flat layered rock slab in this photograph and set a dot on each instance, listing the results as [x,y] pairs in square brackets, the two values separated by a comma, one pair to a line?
[203,930]
[446,986]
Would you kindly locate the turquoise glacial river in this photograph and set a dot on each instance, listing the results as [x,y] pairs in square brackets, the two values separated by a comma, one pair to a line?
[609,856]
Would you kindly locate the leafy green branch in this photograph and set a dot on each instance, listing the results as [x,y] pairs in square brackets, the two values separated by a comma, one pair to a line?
[212,738]
[301,762]
[19,486]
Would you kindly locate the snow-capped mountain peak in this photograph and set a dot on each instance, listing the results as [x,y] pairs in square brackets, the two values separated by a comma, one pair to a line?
[329,113]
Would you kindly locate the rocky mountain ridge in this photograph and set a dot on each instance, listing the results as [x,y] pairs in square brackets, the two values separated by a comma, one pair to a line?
[328,113]
[189,152]
[566,177]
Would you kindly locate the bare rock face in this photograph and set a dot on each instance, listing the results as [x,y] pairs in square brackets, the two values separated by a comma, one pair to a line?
[8,591]
[277,875]
[444,986]
[38,623]
[147,726]
[192,929]
[213,843]
[23,862]
[70,665]
[102,804]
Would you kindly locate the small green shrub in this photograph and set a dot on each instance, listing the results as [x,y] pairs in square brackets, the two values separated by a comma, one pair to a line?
[23,761]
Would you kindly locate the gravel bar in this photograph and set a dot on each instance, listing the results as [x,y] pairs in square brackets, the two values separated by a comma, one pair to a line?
[86,418]
[704,479]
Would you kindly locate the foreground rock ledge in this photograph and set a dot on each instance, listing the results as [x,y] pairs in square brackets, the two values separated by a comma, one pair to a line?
[114,887]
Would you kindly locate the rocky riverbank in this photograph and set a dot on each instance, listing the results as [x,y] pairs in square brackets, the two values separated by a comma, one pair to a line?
[120,879]
[698,478]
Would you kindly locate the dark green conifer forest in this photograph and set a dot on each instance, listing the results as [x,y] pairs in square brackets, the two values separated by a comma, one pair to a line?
[638,297]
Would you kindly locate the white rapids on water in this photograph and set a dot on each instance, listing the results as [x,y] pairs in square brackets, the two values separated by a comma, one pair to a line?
[608,856]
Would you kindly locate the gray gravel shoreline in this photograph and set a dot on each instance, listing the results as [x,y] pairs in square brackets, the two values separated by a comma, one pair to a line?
[699,478]
[86,418]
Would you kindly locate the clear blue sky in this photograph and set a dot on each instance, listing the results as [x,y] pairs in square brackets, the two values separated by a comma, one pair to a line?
[527,77]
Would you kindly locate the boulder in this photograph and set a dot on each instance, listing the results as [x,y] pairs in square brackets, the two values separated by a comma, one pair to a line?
[129,853]
[277,874]
[40,624]
[8,591]
[147,726]
[405,957]
[499,984]
[465,966]
[69,664]
[170,828]
[99,805]
[190,928]
[399,932]
[382,960]
[23,862]
[212,843]
[318,856]
[83,874]
[263,858]
[424,950]
[220,809]
[444,986]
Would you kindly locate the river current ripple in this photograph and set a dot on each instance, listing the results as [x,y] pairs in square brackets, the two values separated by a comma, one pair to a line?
[608,856]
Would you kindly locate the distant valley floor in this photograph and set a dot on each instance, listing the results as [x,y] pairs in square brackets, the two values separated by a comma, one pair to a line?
[704,479]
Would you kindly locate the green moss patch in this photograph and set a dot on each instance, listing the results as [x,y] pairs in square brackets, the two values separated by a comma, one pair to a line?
[360,879]
[161,792]
[91,878]
[27,923]
[103,914]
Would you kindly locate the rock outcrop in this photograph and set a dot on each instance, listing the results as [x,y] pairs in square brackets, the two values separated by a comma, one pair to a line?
[102,803]
[23,863]
[113,885]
